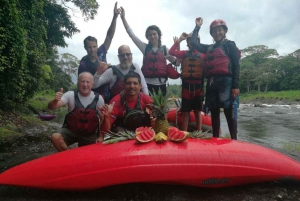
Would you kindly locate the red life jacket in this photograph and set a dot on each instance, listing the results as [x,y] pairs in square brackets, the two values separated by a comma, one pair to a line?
[83,121]
[155,63]
[192,68]
[217,61]
[133,118]
[119,84]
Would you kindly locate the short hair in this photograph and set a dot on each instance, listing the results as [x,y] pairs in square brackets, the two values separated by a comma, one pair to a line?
[80,75]
[132,74]
[155,28]
[89,38]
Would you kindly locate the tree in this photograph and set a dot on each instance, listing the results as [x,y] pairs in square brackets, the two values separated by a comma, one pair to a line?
[28,31]
[69,64]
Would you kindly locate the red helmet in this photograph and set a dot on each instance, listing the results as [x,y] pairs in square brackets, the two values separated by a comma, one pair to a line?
[217,23]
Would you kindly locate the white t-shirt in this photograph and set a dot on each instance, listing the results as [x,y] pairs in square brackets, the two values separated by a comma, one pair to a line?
[142,46]
[108,76]
[68,98]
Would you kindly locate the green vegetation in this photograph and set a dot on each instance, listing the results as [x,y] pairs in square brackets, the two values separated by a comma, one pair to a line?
[40,100]
[290,96]
[30,32]
[291,146]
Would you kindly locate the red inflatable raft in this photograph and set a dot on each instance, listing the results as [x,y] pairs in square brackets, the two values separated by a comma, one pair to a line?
[212,163]
[173,112]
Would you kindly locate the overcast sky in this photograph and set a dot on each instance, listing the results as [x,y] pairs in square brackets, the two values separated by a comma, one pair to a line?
[274,23]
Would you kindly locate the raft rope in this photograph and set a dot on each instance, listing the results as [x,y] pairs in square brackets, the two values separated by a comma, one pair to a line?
[176,117]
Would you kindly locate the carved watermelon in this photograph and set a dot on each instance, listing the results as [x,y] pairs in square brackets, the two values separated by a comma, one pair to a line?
[144,134]
[176,135]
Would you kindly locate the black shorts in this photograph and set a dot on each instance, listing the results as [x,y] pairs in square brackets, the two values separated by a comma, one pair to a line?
[71,138]
[188,105]
[162,87]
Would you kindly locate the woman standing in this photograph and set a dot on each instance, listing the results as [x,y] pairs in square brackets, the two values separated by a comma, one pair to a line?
[222,70]
[155,56]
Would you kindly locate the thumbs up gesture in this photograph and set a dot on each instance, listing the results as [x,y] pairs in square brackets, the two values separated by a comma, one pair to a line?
[107,109]
[59,94]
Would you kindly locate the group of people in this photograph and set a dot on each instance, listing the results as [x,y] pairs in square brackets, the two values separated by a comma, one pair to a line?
[108,96]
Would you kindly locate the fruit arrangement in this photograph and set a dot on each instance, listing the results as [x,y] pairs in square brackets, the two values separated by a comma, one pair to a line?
[147,134]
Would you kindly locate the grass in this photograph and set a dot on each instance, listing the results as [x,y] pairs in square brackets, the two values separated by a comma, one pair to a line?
[279,96]
[40,100]
[291,146]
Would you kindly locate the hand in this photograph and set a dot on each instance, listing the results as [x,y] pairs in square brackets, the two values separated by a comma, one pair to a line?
[59,94]
[117,10]
[106,109]
[122,12]
[235,92]
[199,21]
[183,36]
[175,39]
[100,139]
[102,67]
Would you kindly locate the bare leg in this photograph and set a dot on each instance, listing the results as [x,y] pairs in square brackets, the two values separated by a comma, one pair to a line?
[185,121]
[198,119]
[58,142]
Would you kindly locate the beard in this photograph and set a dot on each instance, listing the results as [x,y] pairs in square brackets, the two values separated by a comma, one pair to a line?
[125,65]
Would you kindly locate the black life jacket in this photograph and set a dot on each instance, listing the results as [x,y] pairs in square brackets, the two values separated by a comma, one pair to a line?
[155,63]
[192,68]
[217,61]
[83,121]
[92,68]
[133,118]
[119,84]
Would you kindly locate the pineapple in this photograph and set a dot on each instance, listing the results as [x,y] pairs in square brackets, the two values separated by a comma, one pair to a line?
[199,135]
[159,111]
[112,137]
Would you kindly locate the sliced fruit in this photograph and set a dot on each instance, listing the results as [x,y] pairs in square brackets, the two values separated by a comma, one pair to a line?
[176,135]
[144,134]
[160,137]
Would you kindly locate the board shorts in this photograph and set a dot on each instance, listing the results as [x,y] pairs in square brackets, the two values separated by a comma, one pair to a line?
[218,92]
[71,137]
[191,97]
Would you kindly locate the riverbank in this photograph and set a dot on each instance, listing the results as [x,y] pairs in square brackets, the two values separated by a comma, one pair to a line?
[35,143]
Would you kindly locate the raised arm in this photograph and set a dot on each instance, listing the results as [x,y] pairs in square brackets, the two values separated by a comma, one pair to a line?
[56,102]
[111,30]
[198,46]
[101,79]
[174,49]
[140,44]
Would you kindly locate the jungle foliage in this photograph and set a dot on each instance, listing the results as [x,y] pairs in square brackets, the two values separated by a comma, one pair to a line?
[30,31]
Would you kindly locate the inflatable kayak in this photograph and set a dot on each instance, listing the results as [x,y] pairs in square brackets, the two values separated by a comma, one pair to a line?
[175,118]
[46,117]
[211,163]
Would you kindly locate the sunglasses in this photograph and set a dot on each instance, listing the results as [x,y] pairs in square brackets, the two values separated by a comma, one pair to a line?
[123,55]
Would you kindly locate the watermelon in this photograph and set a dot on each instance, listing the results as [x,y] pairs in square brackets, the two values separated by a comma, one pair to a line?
[176,135]
[144,134]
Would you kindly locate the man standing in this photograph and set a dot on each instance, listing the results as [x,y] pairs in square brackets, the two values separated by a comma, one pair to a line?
[115,74]
[90,62]
[131,108]
[82,123]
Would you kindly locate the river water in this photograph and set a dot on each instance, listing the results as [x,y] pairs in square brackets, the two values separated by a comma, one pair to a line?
[273,126]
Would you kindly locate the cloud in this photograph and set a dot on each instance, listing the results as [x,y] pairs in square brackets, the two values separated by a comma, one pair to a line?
[273,23]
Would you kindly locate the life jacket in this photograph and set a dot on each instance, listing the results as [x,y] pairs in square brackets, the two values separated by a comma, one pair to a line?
[192,68]
[83,121]
[155,63]
[92,68]
[217,61]
[133,118]
[119,84]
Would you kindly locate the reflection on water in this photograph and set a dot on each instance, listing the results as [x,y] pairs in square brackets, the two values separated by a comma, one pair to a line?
[273,126]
